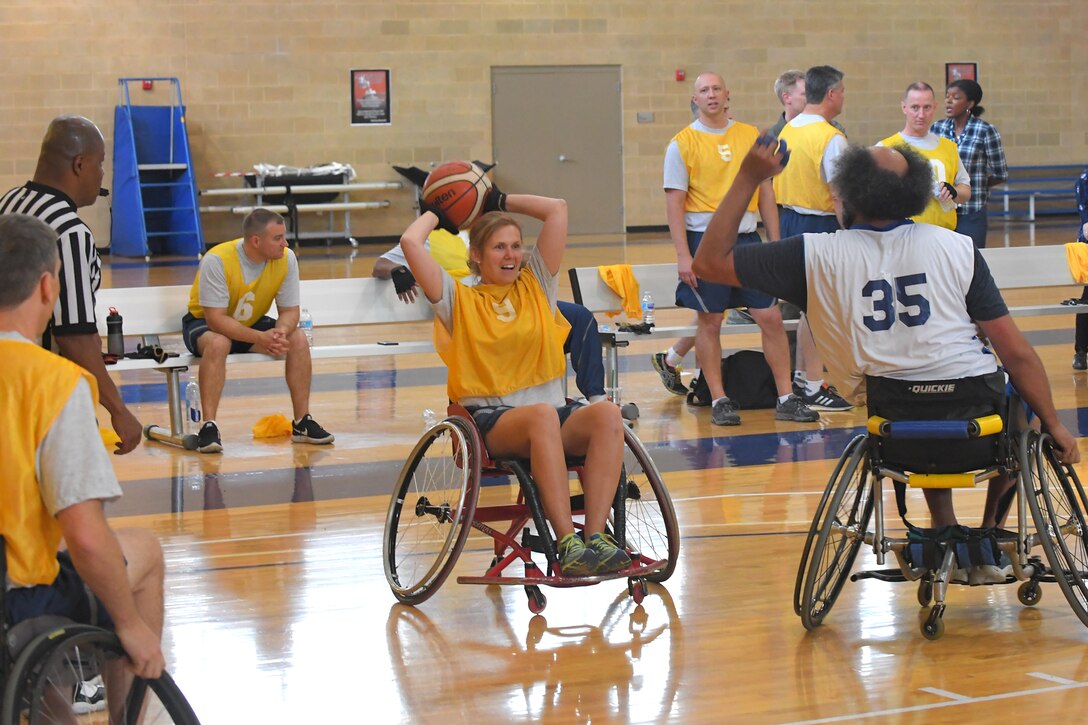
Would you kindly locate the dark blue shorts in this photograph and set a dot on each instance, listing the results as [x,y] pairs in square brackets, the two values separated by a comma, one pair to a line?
[487,416]
[714,297]
[67,597]
[193,327]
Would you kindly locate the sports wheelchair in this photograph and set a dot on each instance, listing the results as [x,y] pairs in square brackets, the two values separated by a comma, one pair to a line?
[45,662]
[912,442]
[437,501]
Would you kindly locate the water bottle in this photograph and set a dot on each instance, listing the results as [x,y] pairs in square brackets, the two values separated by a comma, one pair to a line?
[647,309]
[306,324]
[115,337]
[429,419]
[192,403]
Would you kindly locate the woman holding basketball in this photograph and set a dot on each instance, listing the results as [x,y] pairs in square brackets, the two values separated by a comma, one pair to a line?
[502,341]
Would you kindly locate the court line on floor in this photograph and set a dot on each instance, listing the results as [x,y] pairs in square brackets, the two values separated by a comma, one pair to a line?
[956,700]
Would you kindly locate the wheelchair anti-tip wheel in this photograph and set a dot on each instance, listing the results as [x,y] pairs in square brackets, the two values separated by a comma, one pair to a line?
[76,674]
[430,514]
[840,527]
[1058,504]
[650,528]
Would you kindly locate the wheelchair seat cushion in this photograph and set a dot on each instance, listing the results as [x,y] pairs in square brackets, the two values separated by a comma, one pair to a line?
[961,399]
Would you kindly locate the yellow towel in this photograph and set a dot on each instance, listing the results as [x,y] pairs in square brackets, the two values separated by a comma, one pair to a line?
[1077,255]
[109,438]
[621,280]
[272,426]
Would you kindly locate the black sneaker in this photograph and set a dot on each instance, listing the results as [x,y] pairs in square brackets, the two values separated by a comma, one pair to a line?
[89,696]
[1080,361]
[793,408]
[308,431]
[208,440]
[610,556]
[724,412]
[575,558]
[670,376]
[826,398]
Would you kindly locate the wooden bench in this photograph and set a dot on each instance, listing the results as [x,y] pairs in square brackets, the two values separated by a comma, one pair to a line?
[149,312]
[1012,268]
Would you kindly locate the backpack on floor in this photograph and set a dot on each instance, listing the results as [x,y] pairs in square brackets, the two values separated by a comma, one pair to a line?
[747,379]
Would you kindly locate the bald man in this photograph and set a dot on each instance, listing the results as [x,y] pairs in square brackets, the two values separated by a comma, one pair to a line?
[69,176]
[920,328]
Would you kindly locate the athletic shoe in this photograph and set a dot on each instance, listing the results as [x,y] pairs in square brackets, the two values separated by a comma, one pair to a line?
[793,408]
[208,440]
[1080,361]
[308,431]
[826,398]
[89,696]
[609,555]
[670,376]
[739,317]
[987,574]
[575,558]
[724,412]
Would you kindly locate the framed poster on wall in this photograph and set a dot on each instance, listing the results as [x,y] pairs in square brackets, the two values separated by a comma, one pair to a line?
[370,98]
[960,72]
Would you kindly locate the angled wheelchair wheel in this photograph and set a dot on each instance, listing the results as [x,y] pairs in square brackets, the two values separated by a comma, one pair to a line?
[649,523]
[431,511]
[814,528]
[1058,504]
[841,525]
[77,674]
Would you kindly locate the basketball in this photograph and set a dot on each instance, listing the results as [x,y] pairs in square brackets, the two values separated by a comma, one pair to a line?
[459,189]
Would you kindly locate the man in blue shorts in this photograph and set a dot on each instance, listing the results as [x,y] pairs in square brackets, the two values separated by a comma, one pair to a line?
[700,164]
[57,475]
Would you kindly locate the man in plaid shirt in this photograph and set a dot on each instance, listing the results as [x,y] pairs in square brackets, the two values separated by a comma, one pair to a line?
[980,151]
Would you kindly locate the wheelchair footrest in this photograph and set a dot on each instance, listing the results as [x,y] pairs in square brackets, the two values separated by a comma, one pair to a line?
[884,575]
[567,581]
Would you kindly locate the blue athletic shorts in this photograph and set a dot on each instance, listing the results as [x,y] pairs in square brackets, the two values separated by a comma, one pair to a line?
[487,416]
[713,297]
[67,597]
[193,327]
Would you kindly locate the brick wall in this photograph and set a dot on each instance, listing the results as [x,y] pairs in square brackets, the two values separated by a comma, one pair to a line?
[267,81]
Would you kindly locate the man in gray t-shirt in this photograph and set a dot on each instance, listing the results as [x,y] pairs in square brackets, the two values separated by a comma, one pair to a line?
[234,289]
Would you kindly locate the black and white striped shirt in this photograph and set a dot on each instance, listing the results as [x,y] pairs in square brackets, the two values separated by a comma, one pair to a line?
[80,267]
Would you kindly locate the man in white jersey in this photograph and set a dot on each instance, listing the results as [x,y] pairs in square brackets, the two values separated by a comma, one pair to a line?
[886,297]
[951,184]
[700,162]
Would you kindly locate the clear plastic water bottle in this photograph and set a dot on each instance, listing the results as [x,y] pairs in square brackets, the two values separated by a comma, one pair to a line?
[647,309]
[192,405]
[306,324]
[430,420]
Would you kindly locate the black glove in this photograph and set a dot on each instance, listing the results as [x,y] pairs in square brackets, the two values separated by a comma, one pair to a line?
[402,280]
[951,189]
[443,220]
[495,201]
[416,175]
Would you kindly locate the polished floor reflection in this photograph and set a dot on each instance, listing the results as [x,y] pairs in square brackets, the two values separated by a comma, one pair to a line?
[278,610]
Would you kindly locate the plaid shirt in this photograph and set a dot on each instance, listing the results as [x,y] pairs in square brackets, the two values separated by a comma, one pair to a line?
[982,155]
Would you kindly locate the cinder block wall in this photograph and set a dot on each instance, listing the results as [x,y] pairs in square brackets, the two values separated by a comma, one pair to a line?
[267,80]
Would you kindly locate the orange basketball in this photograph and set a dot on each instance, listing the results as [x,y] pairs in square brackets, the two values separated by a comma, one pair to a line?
[458,188]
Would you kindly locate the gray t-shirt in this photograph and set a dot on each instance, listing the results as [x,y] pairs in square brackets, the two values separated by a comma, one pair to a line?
[72,463]
[213,279]
[550,392]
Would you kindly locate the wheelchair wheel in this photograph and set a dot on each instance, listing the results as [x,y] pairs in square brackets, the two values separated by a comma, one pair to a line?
[75,673]
[431,511]
[814,528]
[1058,504]
[649,519]
[841,526]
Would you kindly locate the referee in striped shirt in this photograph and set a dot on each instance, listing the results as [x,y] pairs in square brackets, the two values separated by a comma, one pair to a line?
[69,176]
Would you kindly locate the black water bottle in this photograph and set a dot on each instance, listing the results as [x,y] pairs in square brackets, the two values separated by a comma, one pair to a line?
[115,337]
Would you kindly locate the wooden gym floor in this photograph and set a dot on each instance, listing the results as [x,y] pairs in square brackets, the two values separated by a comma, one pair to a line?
[278,611]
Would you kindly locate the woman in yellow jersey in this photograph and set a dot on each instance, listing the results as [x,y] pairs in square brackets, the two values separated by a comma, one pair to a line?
[502,342]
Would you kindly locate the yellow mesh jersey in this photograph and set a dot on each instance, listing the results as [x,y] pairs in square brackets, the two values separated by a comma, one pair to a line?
[34,388]
[504,339]
[450,252]
[945,161]
[248,302]
[712,161]
[800,183]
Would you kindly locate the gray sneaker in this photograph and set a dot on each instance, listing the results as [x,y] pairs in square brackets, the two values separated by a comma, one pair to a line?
[725,412]
[793,408]
[670,376]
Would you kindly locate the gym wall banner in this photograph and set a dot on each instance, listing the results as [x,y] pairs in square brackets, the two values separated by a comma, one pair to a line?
[370,104]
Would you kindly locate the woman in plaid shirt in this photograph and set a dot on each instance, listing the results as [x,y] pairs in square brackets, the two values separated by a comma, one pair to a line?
[980,151]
